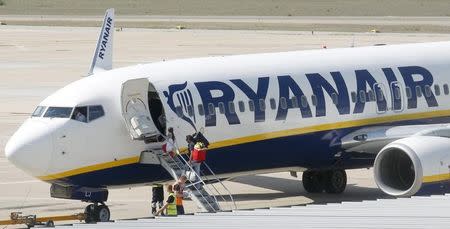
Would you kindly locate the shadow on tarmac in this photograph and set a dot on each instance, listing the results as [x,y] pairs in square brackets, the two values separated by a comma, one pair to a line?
[290,188]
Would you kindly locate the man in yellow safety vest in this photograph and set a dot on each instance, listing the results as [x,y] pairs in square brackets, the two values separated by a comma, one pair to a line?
[170,206]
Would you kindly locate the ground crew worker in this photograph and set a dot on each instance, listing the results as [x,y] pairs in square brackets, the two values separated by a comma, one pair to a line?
[170,206]
[178,188]
[157,197]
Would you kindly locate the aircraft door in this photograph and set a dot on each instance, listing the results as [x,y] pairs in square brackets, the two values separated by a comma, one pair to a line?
[135,109]
[396,96]
[380,98]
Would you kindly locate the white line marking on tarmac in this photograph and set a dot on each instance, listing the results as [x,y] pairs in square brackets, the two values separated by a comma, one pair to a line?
[20,182]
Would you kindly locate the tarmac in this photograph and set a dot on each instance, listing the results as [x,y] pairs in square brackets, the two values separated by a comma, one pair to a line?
[36,61]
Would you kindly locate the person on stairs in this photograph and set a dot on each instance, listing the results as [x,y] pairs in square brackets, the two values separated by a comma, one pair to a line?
[169,145]
[170,206]
[198,156]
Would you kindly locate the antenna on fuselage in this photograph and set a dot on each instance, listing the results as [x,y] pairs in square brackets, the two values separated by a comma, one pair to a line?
[102,60]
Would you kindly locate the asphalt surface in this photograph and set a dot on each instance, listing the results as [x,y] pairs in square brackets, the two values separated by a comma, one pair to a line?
[36,61]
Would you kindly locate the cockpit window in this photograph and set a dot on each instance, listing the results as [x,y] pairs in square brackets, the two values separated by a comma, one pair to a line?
[38,111]
[95,112]
[88,113]
[58,112]
[80,114]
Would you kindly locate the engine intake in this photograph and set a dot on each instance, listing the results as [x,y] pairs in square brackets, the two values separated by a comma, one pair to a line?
[414,166]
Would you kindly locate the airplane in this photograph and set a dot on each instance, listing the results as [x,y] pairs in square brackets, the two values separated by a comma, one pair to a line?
[319,112]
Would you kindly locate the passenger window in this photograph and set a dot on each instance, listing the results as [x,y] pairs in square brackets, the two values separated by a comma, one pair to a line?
[231,107]
[408,92]
[241,105]
[446,89]
[80,114]
[262,104]
[294,102]
[353,95]
[304,101]
[427,91]
[437,90]
[221,108]
[362,96]
[95,112]
[334,97]
[211,109]
[418,91]
[201,110]
[314,100]
[283,103]
[273,104]
[38,111]
[190,109]
[179,110]
[251,105]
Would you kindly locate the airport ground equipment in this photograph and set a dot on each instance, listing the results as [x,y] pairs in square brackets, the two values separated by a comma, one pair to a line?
[32,220]
[203,190]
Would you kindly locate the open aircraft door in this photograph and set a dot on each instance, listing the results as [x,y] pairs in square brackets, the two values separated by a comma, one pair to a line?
[135,109]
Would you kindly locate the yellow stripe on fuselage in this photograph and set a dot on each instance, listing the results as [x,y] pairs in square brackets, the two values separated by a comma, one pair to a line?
[436,178]
[330,126]
[265,136]
[91,168]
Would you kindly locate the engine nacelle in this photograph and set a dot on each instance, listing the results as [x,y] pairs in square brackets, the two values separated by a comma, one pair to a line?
[417,165]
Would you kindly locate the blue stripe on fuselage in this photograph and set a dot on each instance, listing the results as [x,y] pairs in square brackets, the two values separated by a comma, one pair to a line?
[312,150]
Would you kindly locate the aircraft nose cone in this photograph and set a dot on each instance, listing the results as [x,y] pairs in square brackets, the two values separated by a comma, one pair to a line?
[30,148]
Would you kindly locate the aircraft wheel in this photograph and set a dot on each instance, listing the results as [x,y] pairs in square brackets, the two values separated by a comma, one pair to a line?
[312,181]
[335,181]
[90,214]
[103,213]
[50,223]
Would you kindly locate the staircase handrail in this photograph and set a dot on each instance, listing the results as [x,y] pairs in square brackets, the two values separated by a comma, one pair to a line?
[215,178]
[200,180]
[221,183]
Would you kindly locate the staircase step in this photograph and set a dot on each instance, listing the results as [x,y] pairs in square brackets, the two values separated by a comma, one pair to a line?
[176,167]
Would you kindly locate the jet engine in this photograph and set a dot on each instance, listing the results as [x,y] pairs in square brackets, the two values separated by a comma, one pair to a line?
[416,165]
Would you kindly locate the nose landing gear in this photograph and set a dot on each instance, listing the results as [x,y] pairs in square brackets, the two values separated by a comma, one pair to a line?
[330,181]
[97,213]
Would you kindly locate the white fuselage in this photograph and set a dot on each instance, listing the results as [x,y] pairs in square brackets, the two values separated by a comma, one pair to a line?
[59,148]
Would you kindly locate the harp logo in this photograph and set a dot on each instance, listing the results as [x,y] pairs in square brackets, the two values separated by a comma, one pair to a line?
[180,101]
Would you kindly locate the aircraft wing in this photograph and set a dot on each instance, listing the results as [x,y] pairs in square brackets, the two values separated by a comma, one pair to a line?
[373,139]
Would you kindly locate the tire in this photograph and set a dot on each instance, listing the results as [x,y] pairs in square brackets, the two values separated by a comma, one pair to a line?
[103,213]
[90,212]
[50,223]
[335,181]
[312,181]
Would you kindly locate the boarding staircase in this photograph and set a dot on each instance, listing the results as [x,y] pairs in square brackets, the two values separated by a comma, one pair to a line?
[203,190]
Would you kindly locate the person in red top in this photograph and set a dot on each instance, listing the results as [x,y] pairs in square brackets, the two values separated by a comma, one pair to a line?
[198,155]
